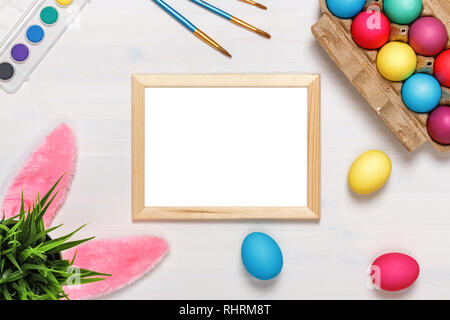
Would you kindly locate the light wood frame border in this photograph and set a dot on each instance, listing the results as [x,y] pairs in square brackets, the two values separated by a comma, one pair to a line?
[142,81]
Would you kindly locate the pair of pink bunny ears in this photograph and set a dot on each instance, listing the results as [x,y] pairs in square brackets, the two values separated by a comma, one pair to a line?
[126,259]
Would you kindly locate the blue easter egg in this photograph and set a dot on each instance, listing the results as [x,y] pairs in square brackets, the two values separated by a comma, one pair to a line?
[261,256]
[345,8]
[421,93]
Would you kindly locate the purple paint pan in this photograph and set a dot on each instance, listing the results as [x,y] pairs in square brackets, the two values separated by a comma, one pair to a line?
[20,52]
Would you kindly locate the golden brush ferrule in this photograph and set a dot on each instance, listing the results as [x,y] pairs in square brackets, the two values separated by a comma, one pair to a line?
[204,37]
[248,26]
[243,24]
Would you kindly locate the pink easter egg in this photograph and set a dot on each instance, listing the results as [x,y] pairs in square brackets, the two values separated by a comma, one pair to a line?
[439,125]
[428,36]
[394,271]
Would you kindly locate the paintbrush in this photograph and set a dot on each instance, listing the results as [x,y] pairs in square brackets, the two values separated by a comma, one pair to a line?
[254,3]
[188,25]
[231,18]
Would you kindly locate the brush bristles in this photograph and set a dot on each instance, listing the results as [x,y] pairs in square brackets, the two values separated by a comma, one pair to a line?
[259,5]
[256,4]
[263,33]
[225,52]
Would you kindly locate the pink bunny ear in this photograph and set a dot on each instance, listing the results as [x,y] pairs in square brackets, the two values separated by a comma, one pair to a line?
[53,157]
[125,259]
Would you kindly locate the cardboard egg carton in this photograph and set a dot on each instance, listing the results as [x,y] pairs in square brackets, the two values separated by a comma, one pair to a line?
[359,66]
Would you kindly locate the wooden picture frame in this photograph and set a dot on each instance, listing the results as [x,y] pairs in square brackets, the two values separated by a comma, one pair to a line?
[142,81]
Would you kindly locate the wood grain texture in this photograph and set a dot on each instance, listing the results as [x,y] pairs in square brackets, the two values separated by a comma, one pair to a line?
[138,152]
[314,146]
[359,66]
[142,213]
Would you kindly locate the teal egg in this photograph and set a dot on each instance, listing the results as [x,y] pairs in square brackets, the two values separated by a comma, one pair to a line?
[403,11]
[261,256]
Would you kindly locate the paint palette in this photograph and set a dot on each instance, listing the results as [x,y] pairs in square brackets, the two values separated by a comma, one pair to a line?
[28,29]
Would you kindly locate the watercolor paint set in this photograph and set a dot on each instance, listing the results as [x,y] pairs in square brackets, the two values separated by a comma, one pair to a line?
[28,30]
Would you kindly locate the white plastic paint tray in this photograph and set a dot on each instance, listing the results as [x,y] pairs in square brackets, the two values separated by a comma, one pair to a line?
[22,22]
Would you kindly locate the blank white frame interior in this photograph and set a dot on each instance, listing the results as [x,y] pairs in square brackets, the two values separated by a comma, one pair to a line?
[223,147]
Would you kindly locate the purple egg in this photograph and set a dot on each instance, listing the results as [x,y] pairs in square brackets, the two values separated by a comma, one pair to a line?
[428,36]
[439,125]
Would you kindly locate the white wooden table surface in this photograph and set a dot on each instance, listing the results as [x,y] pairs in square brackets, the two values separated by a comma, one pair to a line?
[85,80]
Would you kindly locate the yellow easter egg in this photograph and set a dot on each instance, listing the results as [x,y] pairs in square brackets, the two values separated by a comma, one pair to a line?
[369,172]
[396,61]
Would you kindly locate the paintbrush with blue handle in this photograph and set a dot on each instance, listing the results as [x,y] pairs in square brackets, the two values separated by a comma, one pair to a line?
[188,25]
[232,19]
